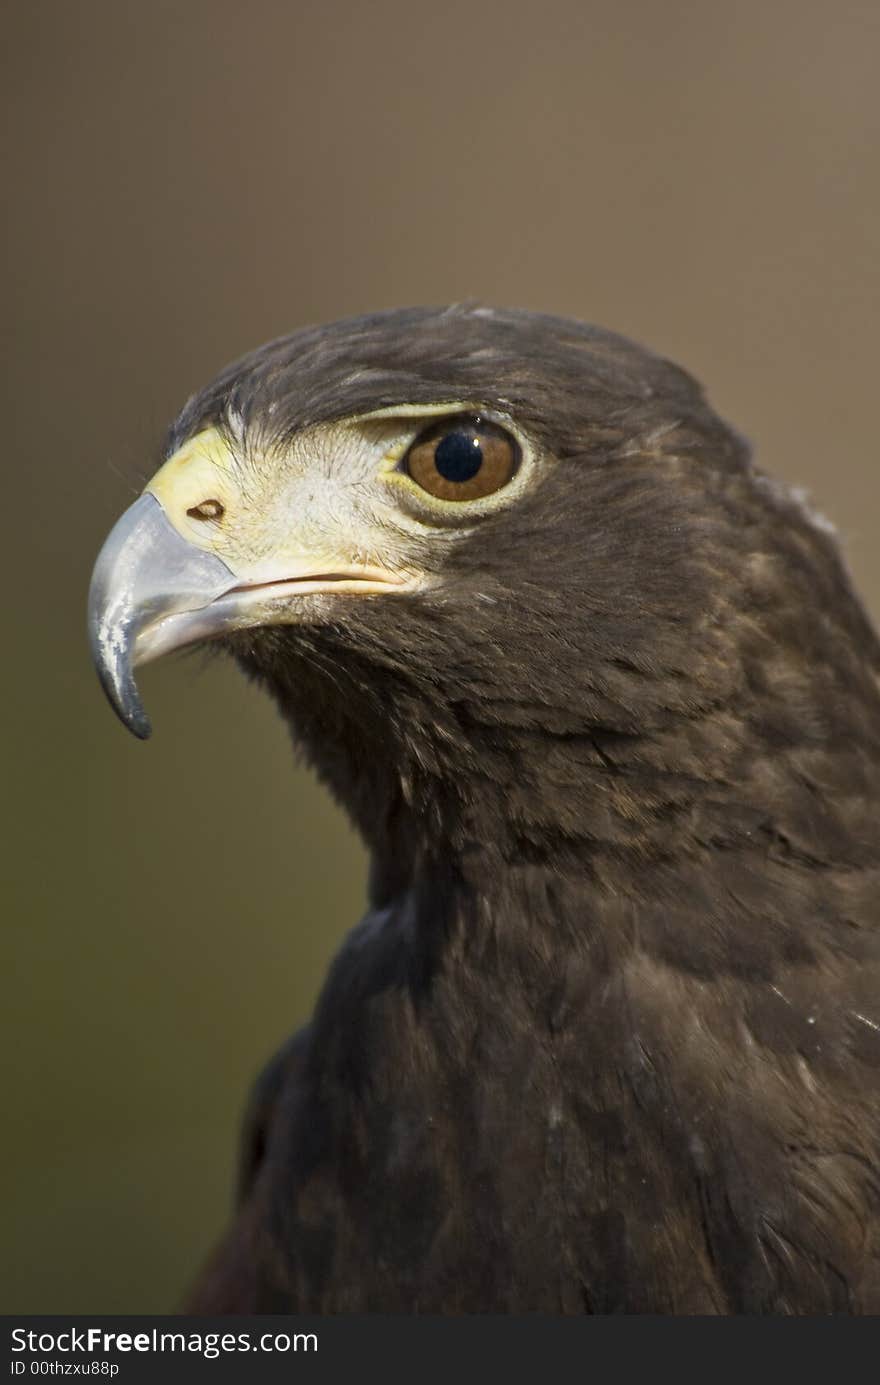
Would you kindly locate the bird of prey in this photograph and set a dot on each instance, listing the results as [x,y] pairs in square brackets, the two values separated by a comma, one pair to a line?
[602,702]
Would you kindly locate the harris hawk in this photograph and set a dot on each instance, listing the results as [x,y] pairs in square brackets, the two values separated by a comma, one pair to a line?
[601,701]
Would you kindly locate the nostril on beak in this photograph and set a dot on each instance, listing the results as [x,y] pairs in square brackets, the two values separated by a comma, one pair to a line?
[208,509]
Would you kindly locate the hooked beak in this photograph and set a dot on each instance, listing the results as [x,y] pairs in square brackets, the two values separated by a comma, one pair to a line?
[152,591]
[146,572]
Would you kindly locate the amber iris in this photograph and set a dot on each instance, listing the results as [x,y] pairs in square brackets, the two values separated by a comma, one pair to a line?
[463,458]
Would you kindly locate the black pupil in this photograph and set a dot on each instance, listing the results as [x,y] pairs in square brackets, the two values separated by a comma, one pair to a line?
[458,456]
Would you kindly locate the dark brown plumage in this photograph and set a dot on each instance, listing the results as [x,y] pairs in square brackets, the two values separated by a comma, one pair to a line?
[608,1039]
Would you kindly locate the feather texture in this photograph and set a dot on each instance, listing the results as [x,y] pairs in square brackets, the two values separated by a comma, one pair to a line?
[609,1038]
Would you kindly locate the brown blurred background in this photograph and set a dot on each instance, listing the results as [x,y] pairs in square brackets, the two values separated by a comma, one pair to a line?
[186,179]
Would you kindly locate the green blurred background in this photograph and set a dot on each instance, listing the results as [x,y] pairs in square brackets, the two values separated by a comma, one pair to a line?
[187,179]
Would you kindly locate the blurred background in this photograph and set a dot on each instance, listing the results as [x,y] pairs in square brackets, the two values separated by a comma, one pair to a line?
[187,178]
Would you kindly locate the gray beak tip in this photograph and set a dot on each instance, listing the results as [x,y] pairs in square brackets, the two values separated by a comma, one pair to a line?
[124,699]
[140,726]
[112,659]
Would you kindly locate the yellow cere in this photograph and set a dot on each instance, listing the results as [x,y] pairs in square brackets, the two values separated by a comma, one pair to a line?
[200,470]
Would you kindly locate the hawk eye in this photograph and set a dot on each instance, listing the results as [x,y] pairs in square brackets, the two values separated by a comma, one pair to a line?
[462,459]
